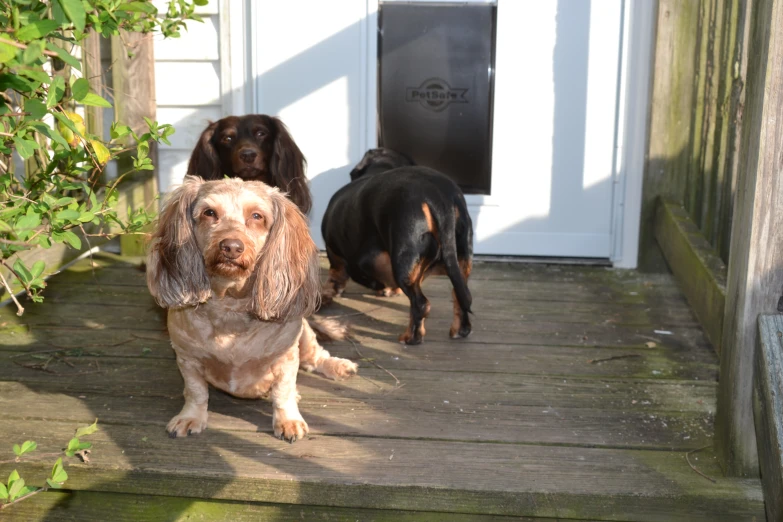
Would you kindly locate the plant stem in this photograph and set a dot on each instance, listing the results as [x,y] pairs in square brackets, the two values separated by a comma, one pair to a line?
[19,307]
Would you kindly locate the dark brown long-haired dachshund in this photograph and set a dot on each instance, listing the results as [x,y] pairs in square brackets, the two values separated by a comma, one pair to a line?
[255,147]
[394,224]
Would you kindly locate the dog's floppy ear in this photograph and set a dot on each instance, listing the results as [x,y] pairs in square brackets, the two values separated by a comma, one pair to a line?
[287,277]
[176,275]
[204,160]
[288,167]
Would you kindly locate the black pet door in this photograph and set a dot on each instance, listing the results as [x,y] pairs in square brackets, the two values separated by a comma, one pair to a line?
[435,78]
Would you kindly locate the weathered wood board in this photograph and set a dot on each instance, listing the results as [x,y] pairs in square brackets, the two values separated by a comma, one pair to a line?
[768,411]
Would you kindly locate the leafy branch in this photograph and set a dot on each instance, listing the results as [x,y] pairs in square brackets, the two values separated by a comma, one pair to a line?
[61,187]
[16,490]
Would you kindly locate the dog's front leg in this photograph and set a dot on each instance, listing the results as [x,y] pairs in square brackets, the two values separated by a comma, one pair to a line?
[193,417]
[287,422]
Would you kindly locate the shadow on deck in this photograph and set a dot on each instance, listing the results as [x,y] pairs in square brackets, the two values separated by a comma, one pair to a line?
[578,396]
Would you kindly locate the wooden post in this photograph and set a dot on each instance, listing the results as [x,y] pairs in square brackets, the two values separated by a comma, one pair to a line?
[755,274]
[91,69]
[133,75]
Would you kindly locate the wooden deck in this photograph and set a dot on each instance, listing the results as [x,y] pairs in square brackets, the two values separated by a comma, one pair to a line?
[578,396]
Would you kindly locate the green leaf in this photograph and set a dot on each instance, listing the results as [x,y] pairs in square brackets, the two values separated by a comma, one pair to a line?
[25,148]
[36,270]
[28,222]
[56,91]
[72,239]
[201,2]
[29,445]
[86,217]
[65,56]
[35,107]
[15,489]
[5,227]
[74,10]
[25,274]
[17,450]
[13,477]
[87,430]
[93,99]
[119,131]
[33,52]
[52,134]
[36,30]
[80,88]
[139,7]
[142,150]
[7,52]
[58,473]
[3,492]
[35,74]
[52,484]
[64,201]
[16,82]
[68,215]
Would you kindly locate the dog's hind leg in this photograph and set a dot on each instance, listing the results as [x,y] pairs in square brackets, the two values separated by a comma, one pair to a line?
[313,357]
[409,270]
[338,278]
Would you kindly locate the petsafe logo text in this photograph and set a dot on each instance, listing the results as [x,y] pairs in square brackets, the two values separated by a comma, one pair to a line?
[435,94]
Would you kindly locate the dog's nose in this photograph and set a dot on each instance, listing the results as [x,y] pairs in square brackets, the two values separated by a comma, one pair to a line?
[232,248]
[248,155]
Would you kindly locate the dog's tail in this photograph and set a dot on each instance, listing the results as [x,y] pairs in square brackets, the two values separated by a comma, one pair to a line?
[328,329]
[449,248]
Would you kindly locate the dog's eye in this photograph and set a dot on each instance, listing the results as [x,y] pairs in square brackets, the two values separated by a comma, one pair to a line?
[227,139]
[260,134]
[257,216]
[210,213]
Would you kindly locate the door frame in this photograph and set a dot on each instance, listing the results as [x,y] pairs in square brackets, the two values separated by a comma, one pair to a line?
[238,73]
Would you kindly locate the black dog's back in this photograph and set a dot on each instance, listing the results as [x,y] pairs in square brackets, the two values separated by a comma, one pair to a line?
[395,224]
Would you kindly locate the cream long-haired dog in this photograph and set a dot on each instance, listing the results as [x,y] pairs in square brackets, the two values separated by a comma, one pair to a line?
[234,264]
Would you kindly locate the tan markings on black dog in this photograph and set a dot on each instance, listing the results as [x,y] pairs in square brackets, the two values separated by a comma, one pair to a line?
[335,284]
[430,221]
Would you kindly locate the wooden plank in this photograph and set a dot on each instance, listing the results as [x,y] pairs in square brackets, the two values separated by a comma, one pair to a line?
[379,473]
[437,390]
[92,70]
[755,275]
[55,506]
[639,427]
[644,362]
[768,411]
[133,77]
[671,105]
[699,270]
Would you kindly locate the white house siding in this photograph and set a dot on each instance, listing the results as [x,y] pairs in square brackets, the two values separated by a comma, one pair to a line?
[187,89]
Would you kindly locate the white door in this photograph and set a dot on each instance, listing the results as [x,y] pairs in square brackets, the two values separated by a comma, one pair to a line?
[556,94]
[557,70]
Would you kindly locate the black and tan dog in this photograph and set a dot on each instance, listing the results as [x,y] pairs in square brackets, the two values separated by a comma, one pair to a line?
[394,224]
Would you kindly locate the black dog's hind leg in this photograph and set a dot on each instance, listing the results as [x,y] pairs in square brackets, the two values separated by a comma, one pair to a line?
[409,271]
[338,278]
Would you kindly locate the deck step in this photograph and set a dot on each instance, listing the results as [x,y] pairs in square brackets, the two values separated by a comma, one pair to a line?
[407,474]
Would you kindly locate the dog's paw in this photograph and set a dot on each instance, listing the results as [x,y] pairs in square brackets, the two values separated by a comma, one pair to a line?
[337,368]
[413,336]
[461,331]
[290,430]
[184,425]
